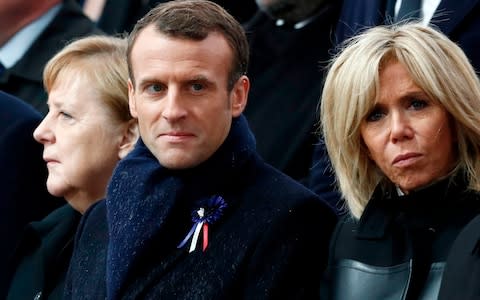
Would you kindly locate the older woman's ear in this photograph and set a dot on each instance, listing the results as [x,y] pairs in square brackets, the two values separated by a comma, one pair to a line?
[130,137]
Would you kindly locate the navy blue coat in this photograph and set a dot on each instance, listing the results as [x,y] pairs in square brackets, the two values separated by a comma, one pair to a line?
[272,243]
[23,178]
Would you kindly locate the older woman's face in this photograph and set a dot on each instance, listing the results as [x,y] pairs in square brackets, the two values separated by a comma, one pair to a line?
[408,136]
[81,141]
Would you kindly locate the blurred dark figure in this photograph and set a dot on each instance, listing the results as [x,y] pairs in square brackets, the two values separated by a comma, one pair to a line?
[119,16]
[32,32]
[241,10]
[290,42]
[22,181]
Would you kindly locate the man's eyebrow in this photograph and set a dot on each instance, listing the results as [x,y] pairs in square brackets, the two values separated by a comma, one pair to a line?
[146,80]
[199,77]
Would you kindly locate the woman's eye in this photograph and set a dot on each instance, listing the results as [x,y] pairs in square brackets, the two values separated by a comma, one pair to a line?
[65,115]
[417,104]
[375,115]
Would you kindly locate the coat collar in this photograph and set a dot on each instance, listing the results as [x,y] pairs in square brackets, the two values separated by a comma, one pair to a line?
[47,245]
[429,205]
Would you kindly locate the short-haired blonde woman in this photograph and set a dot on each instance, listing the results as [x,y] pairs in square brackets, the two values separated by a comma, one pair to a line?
[87,130]
[400,113]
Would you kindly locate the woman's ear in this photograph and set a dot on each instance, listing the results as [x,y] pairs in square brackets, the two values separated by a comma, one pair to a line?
[129,138]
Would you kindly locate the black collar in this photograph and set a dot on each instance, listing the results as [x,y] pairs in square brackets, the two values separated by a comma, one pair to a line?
[428,205]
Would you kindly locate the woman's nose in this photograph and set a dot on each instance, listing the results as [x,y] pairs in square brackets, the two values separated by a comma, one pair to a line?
[400,127]
[43,133]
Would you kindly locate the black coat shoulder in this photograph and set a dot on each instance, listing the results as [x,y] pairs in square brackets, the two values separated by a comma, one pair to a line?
[461,279]
[23,178]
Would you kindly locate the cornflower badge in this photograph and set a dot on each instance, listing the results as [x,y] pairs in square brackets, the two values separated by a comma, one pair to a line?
[207,213]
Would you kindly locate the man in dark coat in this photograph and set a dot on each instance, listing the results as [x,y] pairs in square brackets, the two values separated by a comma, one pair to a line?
[21,21]
[290,42]
[23,178]
[193,212]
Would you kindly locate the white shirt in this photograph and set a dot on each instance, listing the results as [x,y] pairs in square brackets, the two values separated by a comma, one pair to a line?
[16,46]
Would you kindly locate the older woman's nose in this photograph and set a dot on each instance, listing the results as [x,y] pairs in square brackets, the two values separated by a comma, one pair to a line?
[43,133]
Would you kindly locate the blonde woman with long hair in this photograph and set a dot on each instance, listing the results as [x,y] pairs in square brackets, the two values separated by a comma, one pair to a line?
[400,113]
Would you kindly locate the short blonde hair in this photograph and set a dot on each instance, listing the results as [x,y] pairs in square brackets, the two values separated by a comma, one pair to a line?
[436,64]
[102,59]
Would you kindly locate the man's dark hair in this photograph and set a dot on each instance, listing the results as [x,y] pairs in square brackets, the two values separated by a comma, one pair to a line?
[195,20]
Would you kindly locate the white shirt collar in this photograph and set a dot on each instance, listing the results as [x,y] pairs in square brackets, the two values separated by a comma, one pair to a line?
[16,47]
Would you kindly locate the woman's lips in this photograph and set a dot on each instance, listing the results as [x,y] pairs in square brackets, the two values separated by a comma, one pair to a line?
[407,159]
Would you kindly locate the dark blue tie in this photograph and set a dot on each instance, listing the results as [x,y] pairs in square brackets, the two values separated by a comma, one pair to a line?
[409,9]
[2,69]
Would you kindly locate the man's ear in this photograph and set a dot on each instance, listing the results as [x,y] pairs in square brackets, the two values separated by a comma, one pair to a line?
[129,138]
[131,98]
[239,95]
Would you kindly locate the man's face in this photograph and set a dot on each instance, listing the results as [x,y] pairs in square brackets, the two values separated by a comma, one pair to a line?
[180,96]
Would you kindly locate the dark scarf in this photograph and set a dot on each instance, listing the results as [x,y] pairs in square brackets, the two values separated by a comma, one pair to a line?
[144,198]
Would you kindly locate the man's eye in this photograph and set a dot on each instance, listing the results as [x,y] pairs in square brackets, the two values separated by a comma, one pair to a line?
[155,88]
[197,87]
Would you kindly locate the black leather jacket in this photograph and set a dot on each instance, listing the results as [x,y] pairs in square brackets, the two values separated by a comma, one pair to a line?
[398,248]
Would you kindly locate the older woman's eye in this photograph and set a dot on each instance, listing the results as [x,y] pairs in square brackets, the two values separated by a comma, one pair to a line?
[65,115]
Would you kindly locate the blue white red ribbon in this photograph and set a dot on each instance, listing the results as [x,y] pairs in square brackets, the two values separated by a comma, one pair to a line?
[207,213]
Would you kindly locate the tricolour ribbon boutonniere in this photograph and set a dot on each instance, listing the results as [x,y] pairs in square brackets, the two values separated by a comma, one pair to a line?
[207,213]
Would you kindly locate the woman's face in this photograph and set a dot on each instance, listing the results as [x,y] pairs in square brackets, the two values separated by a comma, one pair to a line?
[408,135]
[81,141]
